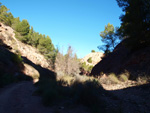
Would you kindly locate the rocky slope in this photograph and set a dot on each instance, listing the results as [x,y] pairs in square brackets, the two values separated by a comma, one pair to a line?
[122,60]
[27,52]
[95,56]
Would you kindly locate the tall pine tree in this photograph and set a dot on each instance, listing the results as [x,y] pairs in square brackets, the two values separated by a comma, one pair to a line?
[5,16]
[135,22]
[23,29]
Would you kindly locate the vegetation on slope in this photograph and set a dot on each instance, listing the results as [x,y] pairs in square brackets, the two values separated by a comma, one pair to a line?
[25,33]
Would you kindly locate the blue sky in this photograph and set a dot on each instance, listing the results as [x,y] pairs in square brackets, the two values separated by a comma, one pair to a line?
[68,22]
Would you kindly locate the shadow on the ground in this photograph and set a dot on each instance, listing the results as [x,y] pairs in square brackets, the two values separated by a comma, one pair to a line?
[44,73]
[11,66]
[132,99]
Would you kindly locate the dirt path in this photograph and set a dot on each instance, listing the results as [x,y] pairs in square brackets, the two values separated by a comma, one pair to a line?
[18,98]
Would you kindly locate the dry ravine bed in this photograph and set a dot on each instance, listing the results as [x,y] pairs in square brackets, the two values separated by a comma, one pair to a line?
[124,98]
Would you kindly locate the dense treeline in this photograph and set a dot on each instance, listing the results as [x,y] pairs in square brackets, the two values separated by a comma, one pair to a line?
[25,33]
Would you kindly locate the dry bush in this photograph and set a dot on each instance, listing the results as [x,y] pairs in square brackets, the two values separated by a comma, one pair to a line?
[59,64]
[66,64]
[143,80]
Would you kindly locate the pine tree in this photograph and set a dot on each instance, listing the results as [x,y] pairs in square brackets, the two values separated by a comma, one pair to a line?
[109,39]
[23,29]
[135,24]
[15,22]
[5,16]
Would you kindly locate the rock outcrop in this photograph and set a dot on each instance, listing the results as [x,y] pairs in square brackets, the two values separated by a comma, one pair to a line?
[95,56]
[122,60]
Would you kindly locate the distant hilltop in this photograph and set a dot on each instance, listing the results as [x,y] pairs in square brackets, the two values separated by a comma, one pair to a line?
[95,57]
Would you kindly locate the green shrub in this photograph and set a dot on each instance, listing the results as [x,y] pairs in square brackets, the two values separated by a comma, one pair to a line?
[123,77]
[90,68]
[113,78]
[90,60]
[86,67]
[101,73]
[93,51]
[17,58]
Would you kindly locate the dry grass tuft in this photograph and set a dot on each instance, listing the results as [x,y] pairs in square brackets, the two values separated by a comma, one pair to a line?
[123,77]
[113,78]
